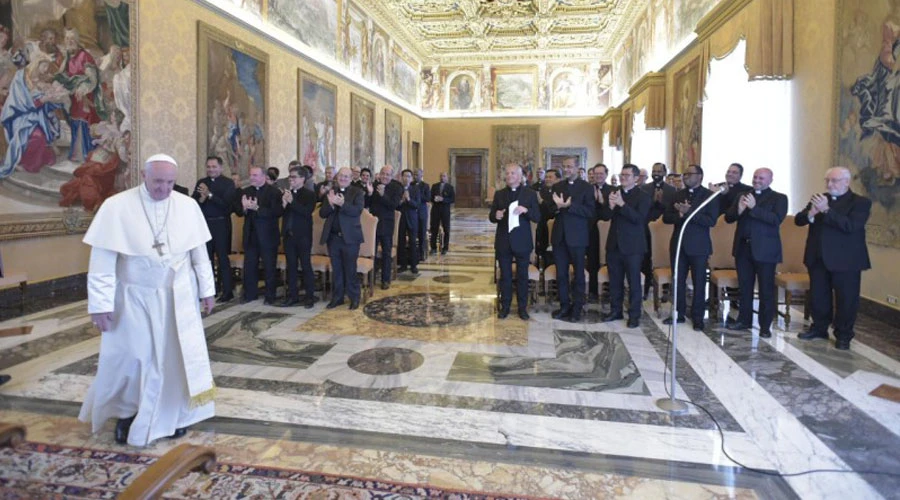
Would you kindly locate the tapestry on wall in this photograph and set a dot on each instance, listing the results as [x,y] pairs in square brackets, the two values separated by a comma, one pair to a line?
[67,81]
[686,133]
[232,91]
[515,144]
[393,140]
[362,132]
[867,134]
[318,114]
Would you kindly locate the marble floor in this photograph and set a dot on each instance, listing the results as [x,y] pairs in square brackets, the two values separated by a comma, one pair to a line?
[423,384]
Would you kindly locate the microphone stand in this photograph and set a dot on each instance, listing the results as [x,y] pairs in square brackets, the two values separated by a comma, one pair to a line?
[670,404]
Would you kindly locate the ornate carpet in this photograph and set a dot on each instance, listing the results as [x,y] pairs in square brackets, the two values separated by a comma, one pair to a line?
[37,470]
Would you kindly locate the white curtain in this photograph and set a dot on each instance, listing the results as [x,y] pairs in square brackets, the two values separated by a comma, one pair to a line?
[647,146]
[612,156]
[746,122]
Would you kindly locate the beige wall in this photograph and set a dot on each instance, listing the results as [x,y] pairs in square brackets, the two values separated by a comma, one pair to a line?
[442,135]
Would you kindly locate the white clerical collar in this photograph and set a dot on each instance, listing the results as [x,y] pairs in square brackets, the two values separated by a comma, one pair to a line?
[691,190]
[571,182]
[758,192]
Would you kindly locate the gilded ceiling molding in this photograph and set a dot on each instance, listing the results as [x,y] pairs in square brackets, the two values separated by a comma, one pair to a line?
[650,93]
[770,46]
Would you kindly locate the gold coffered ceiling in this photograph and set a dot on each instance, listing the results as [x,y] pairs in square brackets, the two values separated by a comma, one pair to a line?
[466,32]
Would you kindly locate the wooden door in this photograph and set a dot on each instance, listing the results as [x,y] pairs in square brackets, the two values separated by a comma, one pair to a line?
[468,182]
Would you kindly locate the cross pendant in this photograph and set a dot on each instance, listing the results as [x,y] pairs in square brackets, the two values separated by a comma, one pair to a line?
[158,246]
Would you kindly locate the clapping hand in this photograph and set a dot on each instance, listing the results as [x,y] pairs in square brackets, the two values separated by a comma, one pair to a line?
[369,188]
[561,201]
[380,189]
[819,203]
[249,203]
[683,207]
[598,195]
[335,199]
[287,197]
[405,196]
[657,196]
[616,200]
[203,191]
[499,214]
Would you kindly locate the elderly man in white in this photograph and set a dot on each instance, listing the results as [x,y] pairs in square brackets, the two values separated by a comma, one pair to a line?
[148,269]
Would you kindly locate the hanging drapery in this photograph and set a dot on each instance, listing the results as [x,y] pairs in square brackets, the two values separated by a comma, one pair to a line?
[770,44]
[649,94]
[612,125]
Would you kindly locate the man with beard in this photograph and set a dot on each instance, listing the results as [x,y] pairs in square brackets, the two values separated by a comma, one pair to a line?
[661,196]
[574,207]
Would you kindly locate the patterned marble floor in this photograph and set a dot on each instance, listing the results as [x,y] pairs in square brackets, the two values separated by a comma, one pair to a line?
[424,384]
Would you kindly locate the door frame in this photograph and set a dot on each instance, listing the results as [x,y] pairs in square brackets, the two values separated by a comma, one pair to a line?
[484,153]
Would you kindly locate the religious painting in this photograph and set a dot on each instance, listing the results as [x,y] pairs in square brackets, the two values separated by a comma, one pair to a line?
[461,92]
[567,89]
[624,76]
[404,82]
[553,157]
[867,132]
[313,22]
[354,33]
[686,131]
[255,7]
[393,140]
[67,95]
[687,14]
[515,89]
[515,144]
[378,60]
[318,112]
[233,100]
[661,27]
[362,132]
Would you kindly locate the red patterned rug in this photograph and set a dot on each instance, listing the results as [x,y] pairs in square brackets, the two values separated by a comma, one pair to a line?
[45,471]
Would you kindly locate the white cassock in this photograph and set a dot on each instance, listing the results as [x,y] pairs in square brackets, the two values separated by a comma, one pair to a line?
[154,363]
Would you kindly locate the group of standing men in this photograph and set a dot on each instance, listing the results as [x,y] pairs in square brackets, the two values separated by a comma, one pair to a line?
[835,251]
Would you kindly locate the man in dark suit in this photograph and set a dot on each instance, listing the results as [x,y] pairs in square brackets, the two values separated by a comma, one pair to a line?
[626,244]
[601,193]
[260,205]
[757,249]
[386,195]
[296,230]
[424,199]
[661,196]
[539,183]
[325,186]
[836,254]
[215,194]
[733,186]
[548,211]
[573,201]
[442,195]
[343,234]
[407,241]
[696,246]
[365,182]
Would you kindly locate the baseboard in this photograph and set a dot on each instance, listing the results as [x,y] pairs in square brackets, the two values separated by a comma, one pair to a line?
[879,311]
[43,295]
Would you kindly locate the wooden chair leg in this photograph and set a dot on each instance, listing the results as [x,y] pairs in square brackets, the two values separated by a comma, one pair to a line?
[656,297]
[154,481]
[788,300]
[11,434]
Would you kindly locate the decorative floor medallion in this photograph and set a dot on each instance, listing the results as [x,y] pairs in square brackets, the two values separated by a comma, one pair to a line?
[385,361]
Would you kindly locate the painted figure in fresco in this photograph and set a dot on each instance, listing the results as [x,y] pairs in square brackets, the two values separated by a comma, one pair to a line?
[81,76]
[461,97]
[879,99]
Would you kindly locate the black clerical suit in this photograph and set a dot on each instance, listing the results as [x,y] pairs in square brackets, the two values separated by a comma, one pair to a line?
[407,240]
[260,238]
[626,245]
[727,199]
[757,251]
[440,213]
[657,208]
[422,236]
[696,247]
[517,244]
[542,233]
[570,241]
[593,250]
[383,207]
[835,255]
[296,230]
[342,232]
[217,211]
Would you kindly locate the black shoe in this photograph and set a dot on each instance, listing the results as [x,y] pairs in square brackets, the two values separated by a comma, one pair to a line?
[842,345]
[225,297]
[698,326]
[245,300]
[668,321]
[309,303]
[523,314]
[269,302]
[606,318]
[504,312]
[415,271]
[354,305]
[385,285]
[576,315]
[765,334]
[738,325]
[633,323]
[123,425]
[334,303]
[289,303]
[401,269]
[593,297]
[311,298]
[562,313]
[812,334]
[443,252]
[179,433]
[4,379]
[433,251]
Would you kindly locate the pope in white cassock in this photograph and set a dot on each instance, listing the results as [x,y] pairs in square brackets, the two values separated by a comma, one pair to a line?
[148,269]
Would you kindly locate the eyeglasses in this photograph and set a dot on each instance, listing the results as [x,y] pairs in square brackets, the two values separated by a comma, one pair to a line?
[690,173]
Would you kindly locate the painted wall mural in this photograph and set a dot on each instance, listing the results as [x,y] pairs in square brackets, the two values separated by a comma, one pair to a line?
[313,22]
[318,115]
[867,133]
[686,131]
[515,144]
[404,81]
[514,89]
[67,91]
[393,140]
[362,132]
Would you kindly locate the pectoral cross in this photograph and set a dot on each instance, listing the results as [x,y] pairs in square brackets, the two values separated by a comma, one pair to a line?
[158,246]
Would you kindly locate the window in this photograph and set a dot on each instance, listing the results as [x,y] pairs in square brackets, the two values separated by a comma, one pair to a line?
[612,156]
[647,146]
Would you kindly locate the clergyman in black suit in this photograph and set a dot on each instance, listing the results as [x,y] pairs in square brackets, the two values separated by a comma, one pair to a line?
[757,249]
[215,194]
[407,240]
[260,206]
[626,244]
[516,244]
[661,196]
[548,211]
[573,200]
[424,199]
[442,196]
[296,231]
[836,254]
[385,198]
[598,175]
[696,245]
[342,232]
[733,186]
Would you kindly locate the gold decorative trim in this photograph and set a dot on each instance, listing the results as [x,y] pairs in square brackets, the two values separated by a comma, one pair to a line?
[718,16]
[650,80]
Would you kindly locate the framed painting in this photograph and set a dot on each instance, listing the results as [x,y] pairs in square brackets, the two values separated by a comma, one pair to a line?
[233,99]
[69,134]
[567,89]
[313,22]
[404,81]
[553,157]
[378,59]
[461,92]
[393,140]
[687,131]
[865,135]
[316,118]
[362,132]
[515,89]
[515,144]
